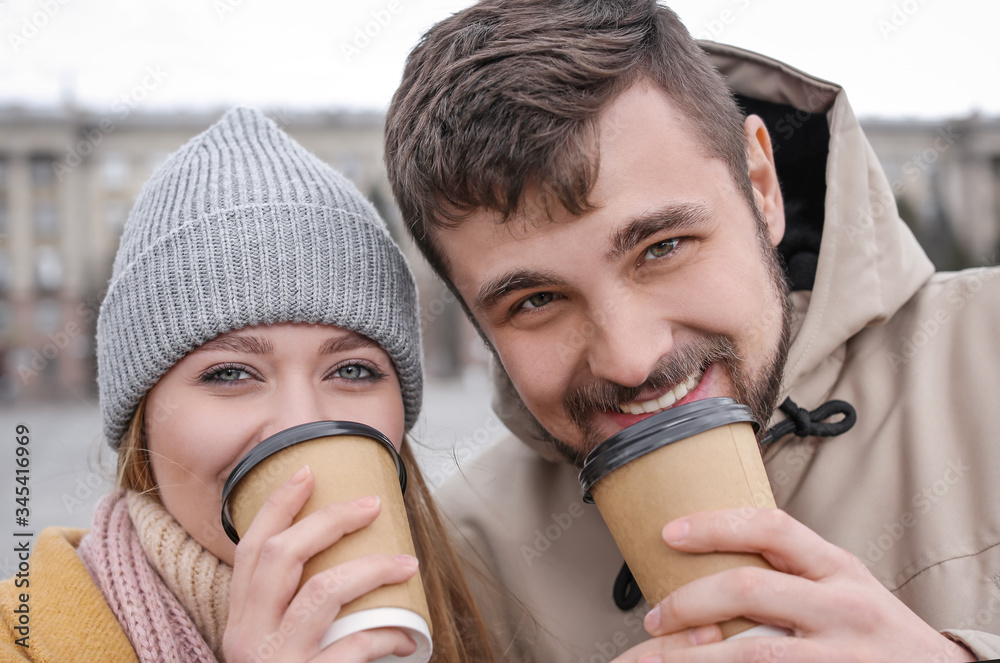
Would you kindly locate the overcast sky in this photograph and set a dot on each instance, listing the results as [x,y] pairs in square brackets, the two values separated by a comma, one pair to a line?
[916,58]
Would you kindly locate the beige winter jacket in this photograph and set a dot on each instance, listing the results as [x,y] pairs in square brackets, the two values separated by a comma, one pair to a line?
[913,489]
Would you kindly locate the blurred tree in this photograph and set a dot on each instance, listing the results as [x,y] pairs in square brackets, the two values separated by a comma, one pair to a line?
[935,234]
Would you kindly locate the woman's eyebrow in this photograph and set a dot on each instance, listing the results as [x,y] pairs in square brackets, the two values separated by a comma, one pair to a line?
[346,343]
[245,344]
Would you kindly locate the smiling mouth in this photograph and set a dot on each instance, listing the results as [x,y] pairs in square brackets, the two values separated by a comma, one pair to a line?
[667,400]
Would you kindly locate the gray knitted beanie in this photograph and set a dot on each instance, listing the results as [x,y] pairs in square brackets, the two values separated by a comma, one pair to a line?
[242,226]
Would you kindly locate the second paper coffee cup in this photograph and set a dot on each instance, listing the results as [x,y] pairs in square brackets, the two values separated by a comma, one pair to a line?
[350,460]
[700,456]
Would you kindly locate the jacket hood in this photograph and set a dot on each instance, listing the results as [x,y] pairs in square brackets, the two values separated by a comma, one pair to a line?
[850,260]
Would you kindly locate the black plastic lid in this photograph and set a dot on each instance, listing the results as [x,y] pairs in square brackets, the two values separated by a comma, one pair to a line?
[288,437]
[661,429]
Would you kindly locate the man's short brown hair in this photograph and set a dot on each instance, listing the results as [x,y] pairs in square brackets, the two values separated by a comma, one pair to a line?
[507,94]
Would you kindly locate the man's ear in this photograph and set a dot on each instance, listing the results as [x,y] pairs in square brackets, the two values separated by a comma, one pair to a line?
[764,177]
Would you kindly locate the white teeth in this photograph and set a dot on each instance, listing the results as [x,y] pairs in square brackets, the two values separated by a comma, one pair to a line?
[650,406]
[666,400]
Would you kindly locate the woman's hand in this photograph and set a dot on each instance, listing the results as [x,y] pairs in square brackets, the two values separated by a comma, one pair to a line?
[268,620]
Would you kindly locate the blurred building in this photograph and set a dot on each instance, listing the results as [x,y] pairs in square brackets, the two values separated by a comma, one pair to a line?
[67,183]
[68,180]
[945,177]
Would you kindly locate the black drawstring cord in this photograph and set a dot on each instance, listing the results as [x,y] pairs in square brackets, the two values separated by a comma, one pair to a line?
[800,421]
[626,592]
[804,423]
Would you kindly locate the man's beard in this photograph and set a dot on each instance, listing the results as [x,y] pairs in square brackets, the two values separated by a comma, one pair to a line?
[758,393]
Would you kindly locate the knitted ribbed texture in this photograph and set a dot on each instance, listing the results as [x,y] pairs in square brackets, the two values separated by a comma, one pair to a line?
[153,619]
[198,579]
[242,226]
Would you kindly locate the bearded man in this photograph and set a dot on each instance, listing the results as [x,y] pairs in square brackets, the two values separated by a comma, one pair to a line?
[634,222]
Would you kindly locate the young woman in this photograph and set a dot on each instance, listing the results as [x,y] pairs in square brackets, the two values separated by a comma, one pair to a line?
[254,289]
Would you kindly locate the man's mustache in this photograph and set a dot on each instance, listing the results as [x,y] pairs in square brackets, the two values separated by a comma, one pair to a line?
[682,362]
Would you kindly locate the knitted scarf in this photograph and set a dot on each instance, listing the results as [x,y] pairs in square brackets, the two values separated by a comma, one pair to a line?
[169,594]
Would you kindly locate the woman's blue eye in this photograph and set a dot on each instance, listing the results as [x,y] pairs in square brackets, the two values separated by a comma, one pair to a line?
[353,372]
[227,374]
[661,249]
[538,300]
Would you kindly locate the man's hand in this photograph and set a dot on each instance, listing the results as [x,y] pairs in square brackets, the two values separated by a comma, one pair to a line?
[826,597]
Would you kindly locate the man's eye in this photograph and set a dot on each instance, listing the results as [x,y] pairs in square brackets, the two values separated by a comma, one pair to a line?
[538,300]
[661,249]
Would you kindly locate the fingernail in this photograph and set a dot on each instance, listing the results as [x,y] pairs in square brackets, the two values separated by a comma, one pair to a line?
[300,475]
[676,531]
[651,658]
[652,620]
[366,502]
[702,634]
[407,560]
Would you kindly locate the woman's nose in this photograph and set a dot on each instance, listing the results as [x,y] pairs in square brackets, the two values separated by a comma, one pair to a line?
[291,406]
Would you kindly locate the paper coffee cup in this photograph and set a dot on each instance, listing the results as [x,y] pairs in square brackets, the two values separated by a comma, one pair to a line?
[700,456]
[350,460]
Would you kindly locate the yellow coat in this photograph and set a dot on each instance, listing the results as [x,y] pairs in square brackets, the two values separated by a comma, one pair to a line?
[69,620]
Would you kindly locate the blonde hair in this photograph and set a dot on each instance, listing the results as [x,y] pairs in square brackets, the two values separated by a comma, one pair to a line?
[134,472]
[459,633]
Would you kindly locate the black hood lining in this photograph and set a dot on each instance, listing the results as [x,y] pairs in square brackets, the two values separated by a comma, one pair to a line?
[801,142]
